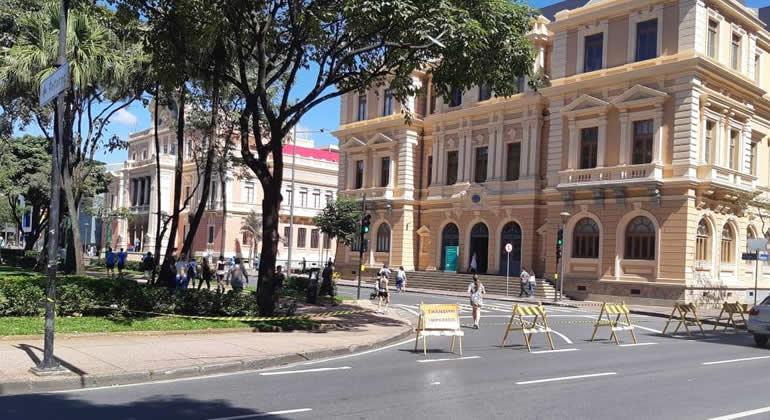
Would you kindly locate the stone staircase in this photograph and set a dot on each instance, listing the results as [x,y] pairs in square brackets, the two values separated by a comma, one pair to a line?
[458,282]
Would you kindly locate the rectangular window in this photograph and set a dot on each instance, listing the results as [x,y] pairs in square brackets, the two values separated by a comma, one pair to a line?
[133,156]
[455,97]
[735,54]
[485,92]
[647,40]
[289,197]
[512,161]
[303,197]
[753,159]
[385,171]
[731,149]
[314,236]
[451,167]
[361,113]
[589,142]
[144,154]
[642,142]
[286,235]
[592,55]
[172,148]
[249,191]
[316,199]
[359,174]
[480,169]
[327,242]
[708,142]
[387,102]
[211,235]
[430,170]
[301,233]
[712,38]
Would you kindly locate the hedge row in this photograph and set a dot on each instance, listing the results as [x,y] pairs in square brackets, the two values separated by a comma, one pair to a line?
[23,295]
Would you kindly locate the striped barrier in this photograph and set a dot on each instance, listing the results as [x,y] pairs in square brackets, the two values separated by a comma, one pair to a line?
[732,309]
[439,320]
[605,319]
[683,309]
[247,318]
[528,328]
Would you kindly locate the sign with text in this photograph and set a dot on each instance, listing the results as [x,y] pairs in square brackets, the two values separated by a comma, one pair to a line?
[748,256]
[763,256]
[54,84]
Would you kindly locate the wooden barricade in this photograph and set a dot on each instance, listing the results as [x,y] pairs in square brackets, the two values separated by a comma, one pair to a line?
[683,309]
[439,320]
[732,309]
[617,324]
[528,328]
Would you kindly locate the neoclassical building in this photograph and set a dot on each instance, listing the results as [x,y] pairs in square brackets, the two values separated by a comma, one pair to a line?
[221,232]
[656,122]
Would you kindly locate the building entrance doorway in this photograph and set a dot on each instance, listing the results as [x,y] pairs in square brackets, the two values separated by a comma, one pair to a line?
[450,240]
[479,248]
[511,234]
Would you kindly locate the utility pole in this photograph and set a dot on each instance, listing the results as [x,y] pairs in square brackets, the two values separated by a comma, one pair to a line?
[361,246]
[293,194]
[49,364]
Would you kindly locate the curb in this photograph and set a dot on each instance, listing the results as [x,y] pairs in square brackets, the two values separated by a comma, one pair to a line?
[69,382]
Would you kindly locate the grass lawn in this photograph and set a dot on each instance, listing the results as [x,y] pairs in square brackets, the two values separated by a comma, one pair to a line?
[29,325]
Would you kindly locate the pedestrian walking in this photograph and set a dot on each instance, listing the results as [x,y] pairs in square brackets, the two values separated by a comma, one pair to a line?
[278,280]
[109,262]
[238,275]
[182,281]
[122,256]
[327,286]
[401,280]
[476,292]
[384,270]
[523,282]
[221,272]
[192,270]
[532,284]
[474,264]
[382,293]
[205,274]
[148,265]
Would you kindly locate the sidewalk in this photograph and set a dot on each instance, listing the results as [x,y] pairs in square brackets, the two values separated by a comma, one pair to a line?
[110,359]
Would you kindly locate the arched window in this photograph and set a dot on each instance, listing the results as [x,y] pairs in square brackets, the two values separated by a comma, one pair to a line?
[383,238]
[585,239]
[640,239]
[703,242]
[728,245]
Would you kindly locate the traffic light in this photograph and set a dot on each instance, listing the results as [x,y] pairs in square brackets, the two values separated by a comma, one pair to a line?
[366,221]
[559,243]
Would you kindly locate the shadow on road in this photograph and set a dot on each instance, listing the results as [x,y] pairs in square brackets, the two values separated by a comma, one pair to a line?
[64,407]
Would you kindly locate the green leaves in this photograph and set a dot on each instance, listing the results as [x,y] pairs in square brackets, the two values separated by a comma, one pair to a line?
[339,219]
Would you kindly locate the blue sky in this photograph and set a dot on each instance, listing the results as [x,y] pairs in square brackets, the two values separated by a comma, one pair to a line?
[324,116]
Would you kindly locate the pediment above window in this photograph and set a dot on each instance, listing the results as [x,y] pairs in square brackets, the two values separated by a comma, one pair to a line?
[585,105]
[379,138]
[352,143]
[639,96]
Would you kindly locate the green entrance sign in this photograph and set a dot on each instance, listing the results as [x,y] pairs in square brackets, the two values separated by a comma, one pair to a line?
[450,258]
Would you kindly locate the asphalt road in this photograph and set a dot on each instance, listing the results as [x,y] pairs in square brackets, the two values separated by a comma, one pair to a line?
[662,378]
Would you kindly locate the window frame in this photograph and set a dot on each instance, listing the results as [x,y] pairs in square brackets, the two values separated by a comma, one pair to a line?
[315,240]
[455,97]
[383,238]
[586,39]
[712,39]
[211,234]
[727,245]
[480,164]
[585,159]
[583,32]
[301,237]
[451,175]
[385,171]
[703,241]
[640,246]
[642,139]
[361,108]
[358,181]
[586,245]
[511,164]
[735,50]
[638,48]
[387,102]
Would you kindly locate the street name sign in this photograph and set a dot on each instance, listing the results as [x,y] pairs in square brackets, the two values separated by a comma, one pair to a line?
[54,84]
[748,256]
[759,244]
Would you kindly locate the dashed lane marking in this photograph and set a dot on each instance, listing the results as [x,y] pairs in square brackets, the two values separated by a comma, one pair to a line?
[271,413]
[451,359]
[743,414]
[636,344]
[566,378]
[745,359]
[553,351]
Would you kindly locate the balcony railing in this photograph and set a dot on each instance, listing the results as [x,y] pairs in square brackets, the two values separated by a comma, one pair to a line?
[377,193]
[611,174]
[727,177]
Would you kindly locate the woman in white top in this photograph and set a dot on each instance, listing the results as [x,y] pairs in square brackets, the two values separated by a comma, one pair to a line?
[476,292]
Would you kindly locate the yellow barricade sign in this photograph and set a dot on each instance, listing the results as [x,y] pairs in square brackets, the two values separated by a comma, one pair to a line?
[439,320]
[619,310]
[732,309]
[679,314]
[538,325]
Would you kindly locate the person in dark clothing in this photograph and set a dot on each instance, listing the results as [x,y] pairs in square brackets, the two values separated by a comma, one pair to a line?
[206,274]
[327,287]
[148,266]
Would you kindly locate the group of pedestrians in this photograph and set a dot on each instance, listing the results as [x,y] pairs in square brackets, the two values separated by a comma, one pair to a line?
[382,282]
[527,283]
[112,259]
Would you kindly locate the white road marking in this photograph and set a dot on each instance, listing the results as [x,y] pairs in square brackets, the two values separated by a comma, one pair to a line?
[743,414]
[435,383]
[289,372]
[401,343]
[637,344]
[553,351]
[271,413]
[565,378]
[449,359]
[408,309]
[745,359]
[563,337]
[635,325]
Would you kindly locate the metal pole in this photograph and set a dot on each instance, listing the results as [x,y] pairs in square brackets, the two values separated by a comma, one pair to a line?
[507,271]
[49,363]
[561,269]
[293,194]
[361,248]
[756,275]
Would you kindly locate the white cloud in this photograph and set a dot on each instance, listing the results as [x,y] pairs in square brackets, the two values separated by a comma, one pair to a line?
[124,117]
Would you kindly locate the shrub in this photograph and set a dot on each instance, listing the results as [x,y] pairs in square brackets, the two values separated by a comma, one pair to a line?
[75,299]
[20,299]
[196,302]
[238,304]
[130,265]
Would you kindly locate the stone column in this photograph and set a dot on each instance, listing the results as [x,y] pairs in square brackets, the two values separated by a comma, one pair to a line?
[492,154]
[535,132]
[524,154]
[499,160]
[744,147]
[572,150]
[406,166]
[625,139]
[469,155]
[601,150]
[657,135]
[434,157]
[461,156]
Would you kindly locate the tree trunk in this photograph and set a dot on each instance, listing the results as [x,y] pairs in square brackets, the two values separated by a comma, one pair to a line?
[177,185]
[74,216]
[271,205]
[159,219]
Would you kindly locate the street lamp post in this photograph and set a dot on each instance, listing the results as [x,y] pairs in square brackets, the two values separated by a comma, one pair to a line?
[564,216]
